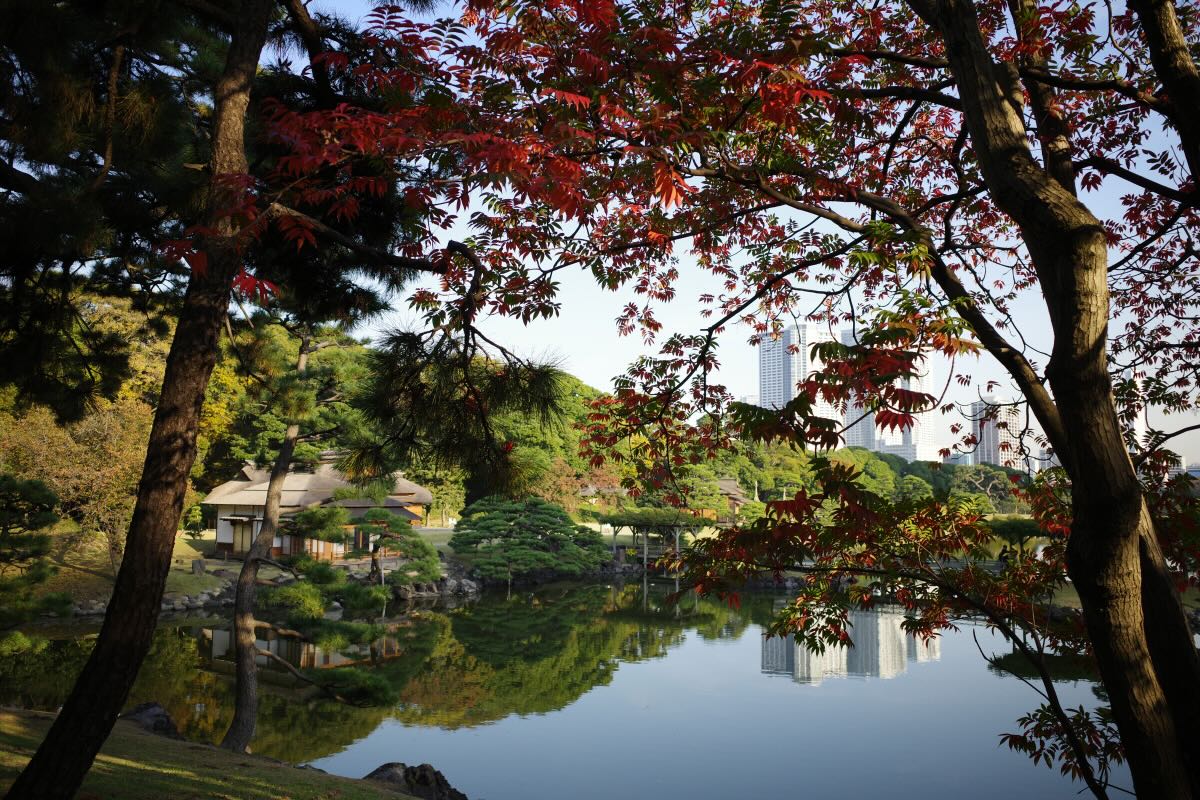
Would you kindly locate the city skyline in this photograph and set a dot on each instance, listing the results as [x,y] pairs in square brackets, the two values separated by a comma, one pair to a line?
[784,360]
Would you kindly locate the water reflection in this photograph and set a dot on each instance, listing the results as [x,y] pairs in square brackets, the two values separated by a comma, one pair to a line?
[882,649]
[217,645]
[508,687]
[527,654]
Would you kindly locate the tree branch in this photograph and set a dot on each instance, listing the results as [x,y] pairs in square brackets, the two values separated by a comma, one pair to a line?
[314,43]
[1108,165]
[372,254]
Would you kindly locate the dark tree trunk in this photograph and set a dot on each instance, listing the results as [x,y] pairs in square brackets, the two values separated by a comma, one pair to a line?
[245,710]
[1135,622]
[58,767]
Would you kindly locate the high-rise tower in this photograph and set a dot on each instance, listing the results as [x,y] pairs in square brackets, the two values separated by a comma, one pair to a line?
[785,362]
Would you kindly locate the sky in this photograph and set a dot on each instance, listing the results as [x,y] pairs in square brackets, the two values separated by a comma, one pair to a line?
[584,339]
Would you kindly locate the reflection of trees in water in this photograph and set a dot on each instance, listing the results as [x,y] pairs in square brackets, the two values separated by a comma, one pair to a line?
[531,654]
[291,727]
[542,651]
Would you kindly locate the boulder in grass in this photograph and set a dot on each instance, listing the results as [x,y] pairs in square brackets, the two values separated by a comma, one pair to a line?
[422,781]
[153,718]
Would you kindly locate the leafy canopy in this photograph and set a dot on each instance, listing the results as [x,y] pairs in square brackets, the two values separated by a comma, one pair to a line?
[26,512]
[513,539]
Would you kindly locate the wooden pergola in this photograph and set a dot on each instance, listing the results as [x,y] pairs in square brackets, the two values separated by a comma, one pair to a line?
[665,523]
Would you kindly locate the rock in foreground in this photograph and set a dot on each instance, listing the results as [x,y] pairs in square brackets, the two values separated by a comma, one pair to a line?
[421,781]
[153,718]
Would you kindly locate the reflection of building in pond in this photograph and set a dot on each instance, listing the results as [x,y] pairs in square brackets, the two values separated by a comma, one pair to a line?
[298,652]
[881,650]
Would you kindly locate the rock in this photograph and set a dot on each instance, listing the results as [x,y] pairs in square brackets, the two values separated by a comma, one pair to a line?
[422,781]
[311,768]
[197,566]
[153,718]
[335,606]
[449,586]
[468,586]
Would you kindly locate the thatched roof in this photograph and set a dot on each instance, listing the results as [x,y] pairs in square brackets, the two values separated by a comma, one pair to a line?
[316,488]
[730,488]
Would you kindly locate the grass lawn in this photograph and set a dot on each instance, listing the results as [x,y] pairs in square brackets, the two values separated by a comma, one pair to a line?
[438,537]
[136,765]
[84,571]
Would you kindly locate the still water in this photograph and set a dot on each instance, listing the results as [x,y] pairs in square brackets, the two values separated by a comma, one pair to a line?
[598,692]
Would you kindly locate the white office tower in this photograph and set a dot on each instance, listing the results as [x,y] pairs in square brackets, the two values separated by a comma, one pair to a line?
[916,443]
[785,361]
[862,432]
[995,445]
[1140,427]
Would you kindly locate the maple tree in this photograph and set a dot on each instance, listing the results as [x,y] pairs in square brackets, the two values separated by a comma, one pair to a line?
[914,169]
[911,168]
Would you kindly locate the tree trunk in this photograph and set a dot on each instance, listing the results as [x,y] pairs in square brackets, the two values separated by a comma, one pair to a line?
[1150,681]
[58,767]
[245,710]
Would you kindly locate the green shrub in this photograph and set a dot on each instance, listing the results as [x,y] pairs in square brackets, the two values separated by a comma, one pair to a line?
[15,643]
[301,601]
[1015,530]
[512,539]
[322,573]
[361,597]
[423,564]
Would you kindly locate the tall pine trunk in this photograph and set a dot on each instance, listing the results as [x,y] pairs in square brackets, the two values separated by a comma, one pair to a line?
[58,767]
[245,710]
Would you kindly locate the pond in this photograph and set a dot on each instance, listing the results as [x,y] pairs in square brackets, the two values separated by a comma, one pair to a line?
[605,691]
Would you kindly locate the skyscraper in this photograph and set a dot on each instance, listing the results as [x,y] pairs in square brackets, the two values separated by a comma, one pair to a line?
[785,362]
[915,443]
[995,445]
[862,432]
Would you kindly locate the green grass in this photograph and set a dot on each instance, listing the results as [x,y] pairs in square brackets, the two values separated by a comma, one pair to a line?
[84,571]
[136,765]
[438,537]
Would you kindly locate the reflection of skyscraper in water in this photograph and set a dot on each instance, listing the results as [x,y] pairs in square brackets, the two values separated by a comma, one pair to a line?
[778,655]
[921,652]
[813,667]
[881,650]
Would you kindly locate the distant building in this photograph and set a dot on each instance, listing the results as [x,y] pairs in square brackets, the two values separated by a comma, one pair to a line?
[731,490]
[994,444]
[1046,459]
[959,459]
[915,443]
[240,504]
[785,362]
[861,433]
